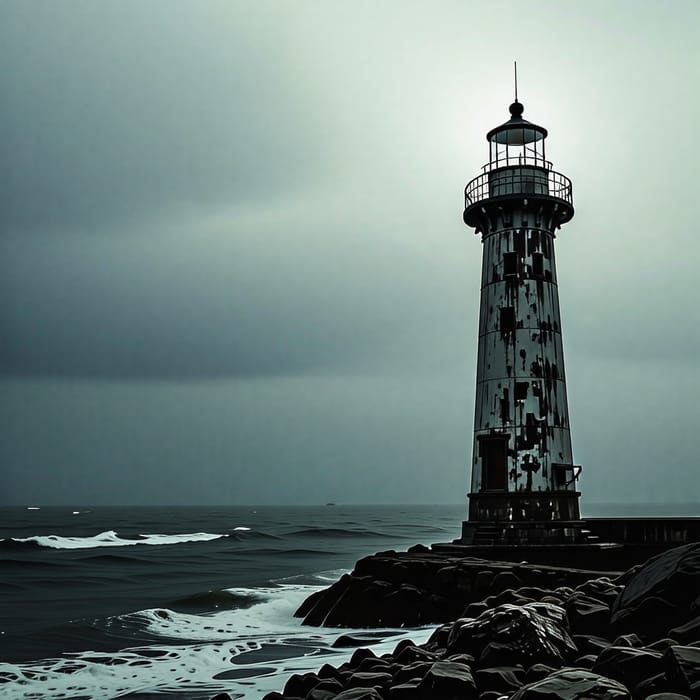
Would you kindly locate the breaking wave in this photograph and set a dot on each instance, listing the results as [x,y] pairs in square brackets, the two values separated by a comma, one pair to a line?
[109,538]
[247,652]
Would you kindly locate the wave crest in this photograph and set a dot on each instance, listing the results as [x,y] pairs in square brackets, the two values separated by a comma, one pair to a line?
[109,538]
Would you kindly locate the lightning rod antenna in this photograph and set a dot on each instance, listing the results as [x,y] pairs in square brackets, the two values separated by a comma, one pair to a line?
[515,70]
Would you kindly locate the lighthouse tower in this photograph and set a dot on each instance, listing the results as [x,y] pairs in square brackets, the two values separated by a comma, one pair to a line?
[523,483]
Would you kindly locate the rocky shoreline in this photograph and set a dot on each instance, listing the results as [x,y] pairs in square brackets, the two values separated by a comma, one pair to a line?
[512,631]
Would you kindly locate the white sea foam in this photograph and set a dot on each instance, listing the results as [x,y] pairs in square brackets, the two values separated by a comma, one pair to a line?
[110,538]
[241,529]
[261,646]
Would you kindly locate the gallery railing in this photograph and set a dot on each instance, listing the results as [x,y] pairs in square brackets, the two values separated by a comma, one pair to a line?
[524,180]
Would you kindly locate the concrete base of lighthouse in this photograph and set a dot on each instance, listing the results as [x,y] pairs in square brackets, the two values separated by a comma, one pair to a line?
[524,517]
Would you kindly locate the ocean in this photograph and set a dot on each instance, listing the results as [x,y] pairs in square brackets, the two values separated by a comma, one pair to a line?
[142,602]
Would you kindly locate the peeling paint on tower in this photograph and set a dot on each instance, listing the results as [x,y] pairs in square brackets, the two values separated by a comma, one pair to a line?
[522,463]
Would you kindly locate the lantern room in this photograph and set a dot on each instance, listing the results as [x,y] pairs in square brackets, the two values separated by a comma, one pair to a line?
[518,169]
[518,142]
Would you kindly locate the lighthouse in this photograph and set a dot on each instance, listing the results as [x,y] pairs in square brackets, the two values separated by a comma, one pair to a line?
[523,477]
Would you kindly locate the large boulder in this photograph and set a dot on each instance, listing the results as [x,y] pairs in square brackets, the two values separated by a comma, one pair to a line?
[683,670]
[628,665]
[587,615]
[662,594]
[448,679]
[573,684]
[504,680]
[509,635]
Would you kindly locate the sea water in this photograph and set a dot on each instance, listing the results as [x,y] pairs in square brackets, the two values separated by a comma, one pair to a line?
[100,603]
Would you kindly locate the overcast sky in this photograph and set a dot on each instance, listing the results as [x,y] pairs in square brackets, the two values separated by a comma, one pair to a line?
[233,263]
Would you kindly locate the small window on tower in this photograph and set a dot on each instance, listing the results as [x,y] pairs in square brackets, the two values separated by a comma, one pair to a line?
[537,264]
[521,390]
[510,264]
[507,318]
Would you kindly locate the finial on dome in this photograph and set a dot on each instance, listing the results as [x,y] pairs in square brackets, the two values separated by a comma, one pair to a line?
[516,110]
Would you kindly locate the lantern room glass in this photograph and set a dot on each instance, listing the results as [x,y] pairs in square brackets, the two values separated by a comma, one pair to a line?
[517,146]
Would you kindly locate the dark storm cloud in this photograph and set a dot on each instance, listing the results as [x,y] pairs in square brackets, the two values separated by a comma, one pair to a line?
[174,305]
[114,111]
[271,192]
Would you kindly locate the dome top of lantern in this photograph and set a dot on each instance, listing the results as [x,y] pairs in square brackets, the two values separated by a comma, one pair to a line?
[516,131]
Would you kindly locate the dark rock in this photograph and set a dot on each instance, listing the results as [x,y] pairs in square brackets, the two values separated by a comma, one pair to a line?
[682,665]
[346,640]
[563,592]
[483,581]
[506,579]
[627,576]
[226,696]
[319,693]
[510,635]
[309,603]
[359,694]
[660,595]
[667,696]
[315,609]
[475,609]
[328,671]
[361,604]
[269,696]
[573,684]
[406,605]
[438,639]
[556,613]
[417,669]
[298,685]
[419,549]
[363,679]
[587,615]
[554,599]
[628,640]
[441,607]
[447,679]
[329,684]
[590,643]
[406,691]
[628,665]
[662,644]
[467,659]
[687,633]
[536,672]
[402,644]
[447,576]
[586,661]
[652,617]
[413,653]
[490,695]
[359,655]
[655,684]
[504,680]
[533,592]
[373,664]
[601,589]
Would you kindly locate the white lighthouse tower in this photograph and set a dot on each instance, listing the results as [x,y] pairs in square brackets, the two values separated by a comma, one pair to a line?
[523,478]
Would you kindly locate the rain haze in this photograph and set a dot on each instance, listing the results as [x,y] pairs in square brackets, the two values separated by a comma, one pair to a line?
[234,268]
